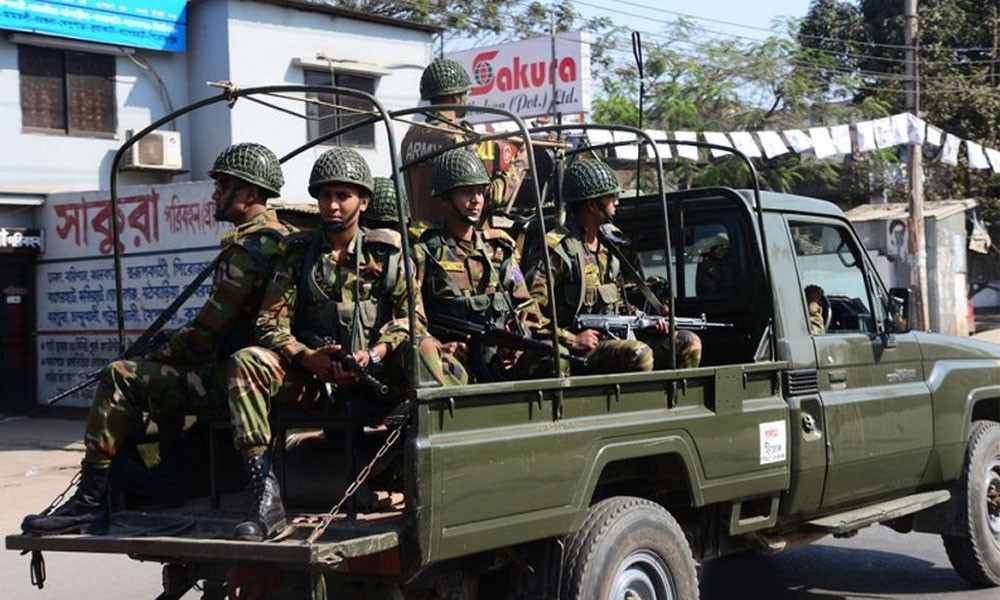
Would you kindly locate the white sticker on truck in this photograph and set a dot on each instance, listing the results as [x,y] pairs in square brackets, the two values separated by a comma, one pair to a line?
[773,442]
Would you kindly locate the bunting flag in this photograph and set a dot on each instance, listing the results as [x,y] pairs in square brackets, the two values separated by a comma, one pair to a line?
[685,151]
[866,136]
[743,141]
[798,141]
[772,144]
[822,142]
[949,153]
[719,139]
[977,159]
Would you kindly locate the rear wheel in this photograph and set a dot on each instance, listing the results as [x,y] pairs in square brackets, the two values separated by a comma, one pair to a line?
[976,553]
[628,548]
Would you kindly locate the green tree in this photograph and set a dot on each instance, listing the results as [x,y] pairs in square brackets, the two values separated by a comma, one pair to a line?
[958,70]
[698,84]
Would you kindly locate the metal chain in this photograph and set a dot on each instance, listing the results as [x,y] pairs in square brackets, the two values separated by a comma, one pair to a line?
[358,481]
[59,498]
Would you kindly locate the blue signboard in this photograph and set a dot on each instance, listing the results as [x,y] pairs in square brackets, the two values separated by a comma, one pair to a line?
[153,24]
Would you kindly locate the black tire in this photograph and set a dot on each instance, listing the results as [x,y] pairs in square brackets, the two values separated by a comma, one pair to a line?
[975,555]
[628,544]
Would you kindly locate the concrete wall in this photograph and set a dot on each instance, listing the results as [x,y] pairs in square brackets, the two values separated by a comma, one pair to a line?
[264,43]
[41,163]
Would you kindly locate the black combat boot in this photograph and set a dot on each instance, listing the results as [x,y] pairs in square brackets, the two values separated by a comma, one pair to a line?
[85,512]
[267,517]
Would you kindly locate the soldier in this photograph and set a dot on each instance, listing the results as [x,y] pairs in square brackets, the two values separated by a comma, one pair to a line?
[446,82]
[587,279]
[383,213]
[471,272]
[814,295]
[183,376]
[342,283]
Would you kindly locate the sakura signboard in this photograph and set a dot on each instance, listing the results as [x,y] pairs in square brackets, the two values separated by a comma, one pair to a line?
[520,76]
[167,236]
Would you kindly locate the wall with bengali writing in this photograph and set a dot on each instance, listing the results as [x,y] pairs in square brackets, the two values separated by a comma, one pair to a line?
[168,235]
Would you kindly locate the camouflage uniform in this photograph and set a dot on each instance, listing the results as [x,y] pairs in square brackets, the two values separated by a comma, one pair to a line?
[817,325]
[590,282]
[187,374]
[479,280]
[445,77]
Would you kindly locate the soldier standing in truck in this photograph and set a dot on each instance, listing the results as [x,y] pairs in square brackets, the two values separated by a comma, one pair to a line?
[184,375]
[445,82]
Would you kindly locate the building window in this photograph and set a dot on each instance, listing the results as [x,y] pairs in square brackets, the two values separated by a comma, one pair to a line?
[325,119]
[67,92]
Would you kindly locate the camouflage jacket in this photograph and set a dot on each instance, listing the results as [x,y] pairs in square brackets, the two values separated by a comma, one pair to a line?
[421,140]
[225,322]
[311,290]
[817,325]
[454,269]
[585,281]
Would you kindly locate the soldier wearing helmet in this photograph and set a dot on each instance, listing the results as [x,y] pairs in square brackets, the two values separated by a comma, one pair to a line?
[445,82]
[186,374]
[339,288]
[383,212]
[587,279]
[472,272]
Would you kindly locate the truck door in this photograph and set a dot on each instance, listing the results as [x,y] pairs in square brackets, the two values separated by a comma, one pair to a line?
[877,408]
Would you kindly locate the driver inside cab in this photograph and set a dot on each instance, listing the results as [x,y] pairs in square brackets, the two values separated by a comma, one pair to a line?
[814,296]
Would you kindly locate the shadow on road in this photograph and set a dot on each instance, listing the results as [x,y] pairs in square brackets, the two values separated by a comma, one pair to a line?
[825,572]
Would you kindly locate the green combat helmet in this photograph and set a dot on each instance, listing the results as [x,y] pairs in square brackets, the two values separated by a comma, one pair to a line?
[340,165]
[457,168]
[252,163]
[443,77]
[589,178]
[383,204]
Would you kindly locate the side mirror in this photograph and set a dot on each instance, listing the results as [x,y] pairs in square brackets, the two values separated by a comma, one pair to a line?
[900,302]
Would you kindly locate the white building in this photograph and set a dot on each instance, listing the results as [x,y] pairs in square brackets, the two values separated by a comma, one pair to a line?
[68,103]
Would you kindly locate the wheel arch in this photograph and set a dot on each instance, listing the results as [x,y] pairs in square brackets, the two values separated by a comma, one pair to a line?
[675,451]
[983,405]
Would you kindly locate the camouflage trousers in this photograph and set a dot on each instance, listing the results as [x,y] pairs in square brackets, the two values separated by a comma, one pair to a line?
[652,351]
[127,388]
[259,378]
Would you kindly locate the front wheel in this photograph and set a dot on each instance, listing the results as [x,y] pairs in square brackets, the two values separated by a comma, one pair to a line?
[628,548]
[976,553]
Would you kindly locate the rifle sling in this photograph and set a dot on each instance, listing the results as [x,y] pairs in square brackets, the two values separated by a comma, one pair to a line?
[633,274]
[174,306]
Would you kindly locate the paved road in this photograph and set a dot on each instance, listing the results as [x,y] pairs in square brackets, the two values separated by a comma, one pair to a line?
[877,563]
[37,460]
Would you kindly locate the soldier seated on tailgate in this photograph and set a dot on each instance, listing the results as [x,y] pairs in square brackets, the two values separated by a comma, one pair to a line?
[186,374]
[445,82]
[471,273]
[587,279]
[339,289]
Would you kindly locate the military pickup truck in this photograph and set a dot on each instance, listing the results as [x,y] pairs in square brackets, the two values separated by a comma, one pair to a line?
[618,486]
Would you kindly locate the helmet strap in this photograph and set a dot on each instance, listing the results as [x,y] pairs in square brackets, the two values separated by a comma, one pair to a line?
[603,210]
[342,225]
[220,212]
[474,221]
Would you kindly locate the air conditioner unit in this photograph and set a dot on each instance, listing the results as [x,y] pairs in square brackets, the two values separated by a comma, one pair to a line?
[157,150]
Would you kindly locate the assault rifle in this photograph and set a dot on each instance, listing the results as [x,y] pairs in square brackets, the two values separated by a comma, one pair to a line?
[346,360]
[624,328]
[481,333]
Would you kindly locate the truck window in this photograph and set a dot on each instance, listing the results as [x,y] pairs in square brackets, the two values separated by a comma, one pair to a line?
[828,259]
[709,263]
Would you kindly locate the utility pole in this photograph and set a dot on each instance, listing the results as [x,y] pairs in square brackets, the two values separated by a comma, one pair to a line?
[915,164]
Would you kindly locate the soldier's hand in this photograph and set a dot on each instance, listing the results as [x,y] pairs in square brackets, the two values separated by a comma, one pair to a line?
[662,326]
[319,363]
[457,349]
[341,376]
[585,341]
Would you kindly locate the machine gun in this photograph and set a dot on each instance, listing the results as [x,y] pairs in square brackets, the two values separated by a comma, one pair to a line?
[481,333]
[624,327]
[346,360]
